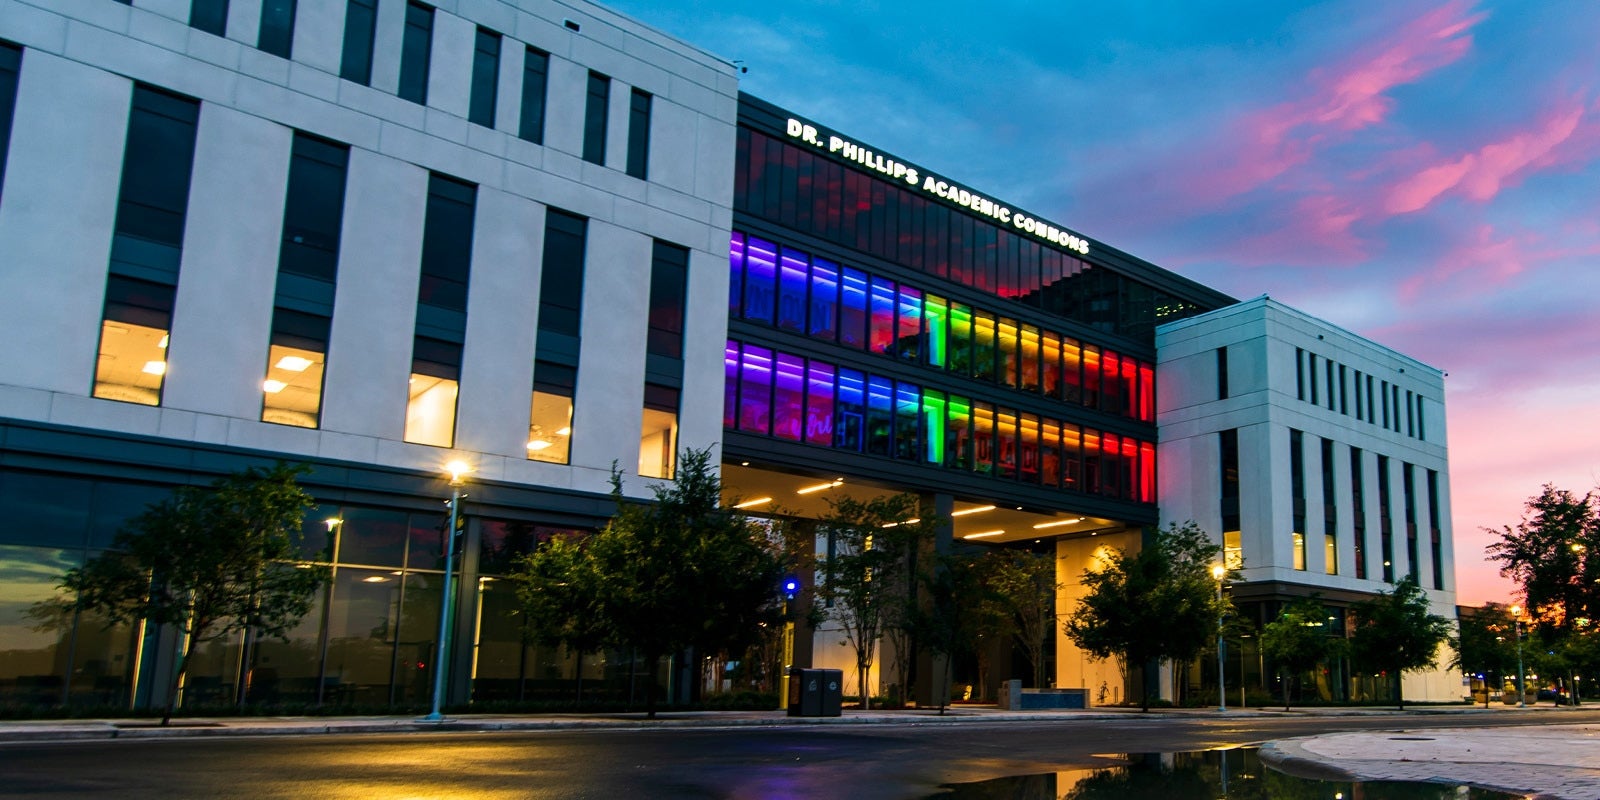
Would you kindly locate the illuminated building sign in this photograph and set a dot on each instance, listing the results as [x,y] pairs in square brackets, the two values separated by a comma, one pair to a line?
[932,184]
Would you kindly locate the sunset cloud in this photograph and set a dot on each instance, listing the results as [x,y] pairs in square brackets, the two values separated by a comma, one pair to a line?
[1480,175]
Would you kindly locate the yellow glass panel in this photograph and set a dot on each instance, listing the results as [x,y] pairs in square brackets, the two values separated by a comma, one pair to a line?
[292,391]
[1299,551]
[431,411]
[132,364]
[1330,554]
[659,437]
[550,428]
[1232,550]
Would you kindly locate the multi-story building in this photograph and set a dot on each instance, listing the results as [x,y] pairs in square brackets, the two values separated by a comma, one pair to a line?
[368,235]
[375,236]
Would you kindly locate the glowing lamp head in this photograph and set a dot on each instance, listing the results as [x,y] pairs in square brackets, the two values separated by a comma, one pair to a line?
[1218,571]
[456,469]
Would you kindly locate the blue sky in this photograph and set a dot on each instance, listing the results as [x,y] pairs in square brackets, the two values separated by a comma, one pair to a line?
[1423,173]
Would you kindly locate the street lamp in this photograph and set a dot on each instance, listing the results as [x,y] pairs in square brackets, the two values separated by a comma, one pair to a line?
[1516,625]
[1218,572]
[456,470]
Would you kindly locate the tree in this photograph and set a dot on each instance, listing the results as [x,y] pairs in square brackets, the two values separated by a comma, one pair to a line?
[1158,603]
[678,573]
[209,561]
[866,578]
[958,607]
[1297,640]
[1396,632]
[1554,557]
[556,588]
[1485,643]
[1027,582]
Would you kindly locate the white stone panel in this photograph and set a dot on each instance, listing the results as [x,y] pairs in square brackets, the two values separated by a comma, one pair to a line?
[375,308]
[244,21]
[608,413]
[508,101]
[705,333]
[60,202]
[386,45]
[617,125]
[674,145]
[563,129]
[502,311]
[319,33]
[222,318]
[450,74]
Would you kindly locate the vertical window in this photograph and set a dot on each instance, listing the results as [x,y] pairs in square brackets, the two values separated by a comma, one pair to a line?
[1328,368]
[146,247]
[1222,373]
[535,81]
[1361,412]
[1330,513]
[210,16]
[1228,445]
[669,274]
[550,415]
[730,385]
[1422,429]
[1028,378]
[1383,391]
[1049,453]
[1299,374]
[1344,395]
[659,435]
[1358,507]
[880,415]
[959,357]
[1071,371]
[1297,487]
[907,421]
[594,119]
[933,427]
[983,346]
[881,335]
[416,51]
[10,66]
[1050,369]
[639,134]
[819,404]
[1408,491]
[441,311]
[1395,389]
[277,27]
[360,26]
[852,309]
[958,433]
[1411,419]
[1028,448]
[792,279]
[849,412]
[1006,338]
[936,323]
[788,397]
[982,437]
[1385,519]
[561,277]
[908,333]
[485,78]
[308,258]
[1435,535]
[824,300]
[1311,370]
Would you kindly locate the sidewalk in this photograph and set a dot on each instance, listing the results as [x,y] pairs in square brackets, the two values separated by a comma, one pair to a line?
[1542,761]
[66,729]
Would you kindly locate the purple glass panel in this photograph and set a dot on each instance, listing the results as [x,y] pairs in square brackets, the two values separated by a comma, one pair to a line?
[760,277]
[788,397]
[755,390]
[735,274]
[819,404]
[730,390]
[792,281]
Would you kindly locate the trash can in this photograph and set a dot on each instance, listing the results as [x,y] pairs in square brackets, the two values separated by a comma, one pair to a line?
[815,692]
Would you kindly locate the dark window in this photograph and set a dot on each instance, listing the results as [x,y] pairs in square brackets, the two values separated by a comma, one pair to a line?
[1222,373]
[210,16]
[669,273]
[277,27]
[485,78]
[447,244]
[1228,443]
[360,25]
[535,77]
[154,195]
[594,119]
[561,274]
[10,67]
[1434,533]
[1385,519]
[1358,508]
[1422,429]
[1344,395]
[1311,370]
[416,48]
[314,209]
[639,134]
[1408,491]
[1299,373]
[1411,418]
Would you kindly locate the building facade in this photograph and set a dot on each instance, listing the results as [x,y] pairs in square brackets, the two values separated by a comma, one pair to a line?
[375,236]
[372,236]
[1320,457]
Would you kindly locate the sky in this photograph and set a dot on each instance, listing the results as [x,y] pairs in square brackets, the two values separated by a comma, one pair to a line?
[1425,174]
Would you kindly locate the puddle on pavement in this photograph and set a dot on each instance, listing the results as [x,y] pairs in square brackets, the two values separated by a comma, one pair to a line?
[1236,774]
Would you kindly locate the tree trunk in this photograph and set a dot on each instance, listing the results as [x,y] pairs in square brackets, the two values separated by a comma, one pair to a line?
[650,661]
[1285,678]
[1399,698]
[861,684]
[177,679]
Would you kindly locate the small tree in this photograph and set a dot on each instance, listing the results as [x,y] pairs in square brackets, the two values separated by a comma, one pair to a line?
[682,572]
[556,588]
[1395,631]
[1485,643]
[1027,582]
[865,580]
[1158,603]
[1297,640]
[958,607]
[210,562]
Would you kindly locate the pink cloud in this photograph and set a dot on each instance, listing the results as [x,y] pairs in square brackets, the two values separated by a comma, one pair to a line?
[1315,232]
[1481,174]
[1490,258]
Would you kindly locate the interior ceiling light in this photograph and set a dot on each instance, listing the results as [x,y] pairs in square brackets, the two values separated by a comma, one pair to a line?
[537,444]
[294,363]
[1041,526]
[974,510]
[155,367]
[983,535]
[374,579]
[273,387]
[564,432]
[819,487]
[912,521]
[753,503]
[165,337]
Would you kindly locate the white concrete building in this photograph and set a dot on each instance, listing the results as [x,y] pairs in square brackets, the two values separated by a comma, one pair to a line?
[369,235]
[1319,455]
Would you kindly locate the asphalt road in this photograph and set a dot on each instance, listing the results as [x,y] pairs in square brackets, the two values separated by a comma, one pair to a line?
[833,761]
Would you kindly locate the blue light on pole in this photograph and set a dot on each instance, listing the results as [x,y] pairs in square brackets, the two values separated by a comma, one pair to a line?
[791,587]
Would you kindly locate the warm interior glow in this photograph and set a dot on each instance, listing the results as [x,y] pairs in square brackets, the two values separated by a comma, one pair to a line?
[912,521]
[124,371]
[658,440]
[974,510]
[431,411]
[564,432]
[294,363]
[753,503]
[547,412]
[374,579]
[293,386]
[819,487]
[271,386]
[537,444]
[1043,525]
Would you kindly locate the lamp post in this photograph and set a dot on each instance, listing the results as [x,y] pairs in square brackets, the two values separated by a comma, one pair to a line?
[456,469]
[1218,572]
[1516,625]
